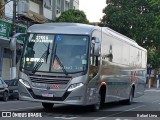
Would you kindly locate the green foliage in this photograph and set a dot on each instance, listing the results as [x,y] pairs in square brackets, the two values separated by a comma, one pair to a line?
[75,16]
[137,19]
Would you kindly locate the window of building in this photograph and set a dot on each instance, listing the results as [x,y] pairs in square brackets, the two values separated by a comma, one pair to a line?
[58,7]
[48,4]
[66,5]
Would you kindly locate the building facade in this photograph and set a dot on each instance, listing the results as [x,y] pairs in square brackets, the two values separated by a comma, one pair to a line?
[30,12]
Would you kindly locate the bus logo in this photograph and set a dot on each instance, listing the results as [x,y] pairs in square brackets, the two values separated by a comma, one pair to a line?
[55,86]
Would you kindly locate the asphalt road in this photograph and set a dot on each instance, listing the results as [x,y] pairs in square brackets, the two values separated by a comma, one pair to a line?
[146,107]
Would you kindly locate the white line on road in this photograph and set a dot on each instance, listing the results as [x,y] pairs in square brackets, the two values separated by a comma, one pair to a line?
[22,108]
[10,102]
[155,101]
[138,101]
[66,118]
[119,112]
[100,118]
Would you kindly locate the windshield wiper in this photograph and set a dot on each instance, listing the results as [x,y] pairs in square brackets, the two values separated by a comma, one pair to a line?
[59,61]
[47,52]
[44,56]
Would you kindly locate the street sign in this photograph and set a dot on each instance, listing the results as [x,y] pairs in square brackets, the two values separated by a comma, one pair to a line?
[6,28]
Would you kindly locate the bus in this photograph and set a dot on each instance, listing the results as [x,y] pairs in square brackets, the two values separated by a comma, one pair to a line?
[79,64]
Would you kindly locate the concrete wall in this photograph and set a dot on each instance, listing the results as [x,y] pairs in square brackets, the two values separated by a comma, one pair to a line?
[34,7]
[47,9]
[6,69]
[1,60]
[74,4]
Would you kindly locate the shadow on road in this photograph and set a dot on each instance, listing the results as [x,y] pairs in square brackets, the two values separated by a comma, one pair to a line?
[76,111]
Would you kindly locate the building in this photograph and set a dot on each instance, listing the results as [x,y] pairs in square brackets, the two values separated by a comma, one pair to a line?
[28,12]
[42,11]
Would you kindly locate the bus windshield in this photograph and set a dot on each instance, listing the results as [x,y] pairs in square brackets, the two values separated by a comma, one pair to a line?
[55,53]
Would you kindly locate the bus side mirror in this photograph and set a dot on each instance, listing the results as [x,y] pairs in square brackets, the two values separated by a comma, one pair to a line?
[16,38]
[96,46]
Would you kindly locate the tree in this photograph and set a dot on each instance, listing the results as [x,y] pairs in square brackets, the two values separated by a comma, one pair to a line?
[75,16]
[2,5]
[129,17]
[137,19]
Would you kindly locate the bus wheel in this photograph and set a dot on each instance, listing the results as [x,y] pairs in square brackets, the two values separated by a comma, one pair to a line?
[96,107]
[130,99]
[47,105]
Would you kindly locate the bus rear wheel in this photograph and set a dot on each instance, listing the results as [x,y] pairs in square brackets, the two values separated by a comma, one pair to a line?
[47,105]
[130,99]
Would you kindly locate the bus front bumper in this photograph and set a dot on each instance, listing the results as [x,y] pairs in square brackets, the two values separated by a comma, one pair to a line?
[75,97]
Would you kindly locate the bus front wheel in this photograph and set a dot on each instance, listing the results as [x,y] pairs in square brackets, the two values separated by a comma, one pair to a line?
[96,107]
[47,105]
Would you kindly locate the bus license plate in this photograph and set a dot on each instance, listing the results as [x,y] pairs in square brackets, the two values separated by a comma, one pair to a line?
[47,94]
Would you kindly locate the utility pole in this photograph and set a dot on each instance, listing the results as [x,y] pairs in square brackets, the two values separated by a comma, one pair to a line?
[13,69]
[2,6]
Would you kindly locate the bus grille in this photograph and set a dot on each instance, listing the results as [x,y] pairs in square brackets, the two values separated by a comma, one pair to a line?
[49,80]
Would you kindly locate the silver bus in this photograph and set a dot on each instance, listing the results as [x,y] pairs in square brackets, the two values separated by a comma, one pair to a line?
[78,64]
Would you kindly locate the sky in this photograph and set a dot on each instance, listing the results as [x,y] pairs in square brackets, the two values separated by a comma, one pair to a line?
[93,9]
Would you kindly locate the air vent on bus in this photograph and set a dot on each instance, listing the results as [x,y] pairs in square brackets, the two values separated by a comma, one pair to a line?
[49,80]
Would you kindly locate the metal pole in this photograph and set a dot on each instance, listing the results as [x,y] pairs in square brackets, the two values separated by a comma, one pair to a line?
[13,69]
[149,82]
[158,83]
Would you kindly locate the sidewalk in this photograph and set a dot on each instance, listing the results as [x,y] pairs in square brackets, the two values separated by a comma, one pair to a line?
[152,89]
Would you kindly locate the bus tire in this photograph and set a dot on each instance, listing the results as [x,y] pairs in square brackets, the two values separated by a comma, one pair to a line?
[130,99]
[96,107]
[47,105]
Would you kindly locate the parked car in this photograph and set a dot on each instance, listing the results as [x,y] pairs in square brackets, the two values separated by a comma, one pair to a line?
[4,91]
[13,88]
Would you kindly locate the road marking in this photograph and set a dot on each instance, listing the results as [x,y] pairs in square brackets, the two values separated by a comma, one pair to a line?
[153,90]
[66,118]
[138,101]
[10,102]
[119,112]
[155,101]
[21,108]
[100,118]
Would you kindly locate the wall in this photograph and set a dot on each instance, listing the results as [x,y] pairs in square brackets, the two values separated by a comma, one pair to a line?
[34,7]
[47,8]
[74,4]
[9,9]
[1,55]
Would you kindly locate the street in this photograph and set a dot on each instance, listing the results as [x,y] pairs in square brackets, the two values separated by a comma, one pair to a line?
[144,107]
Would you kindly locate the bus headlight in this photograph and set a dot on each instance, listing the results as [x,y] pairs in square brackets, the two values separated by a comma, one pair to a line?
[25,83]
[75,86]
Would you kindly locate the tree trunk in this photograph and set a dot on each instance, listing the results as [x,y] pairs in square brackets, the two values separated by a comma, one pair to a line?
[2,6]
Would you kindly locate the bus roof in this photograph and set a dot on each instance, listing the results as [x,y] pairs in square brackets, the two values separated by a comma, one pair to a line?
[62,28]
[76,28]
[122,37]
